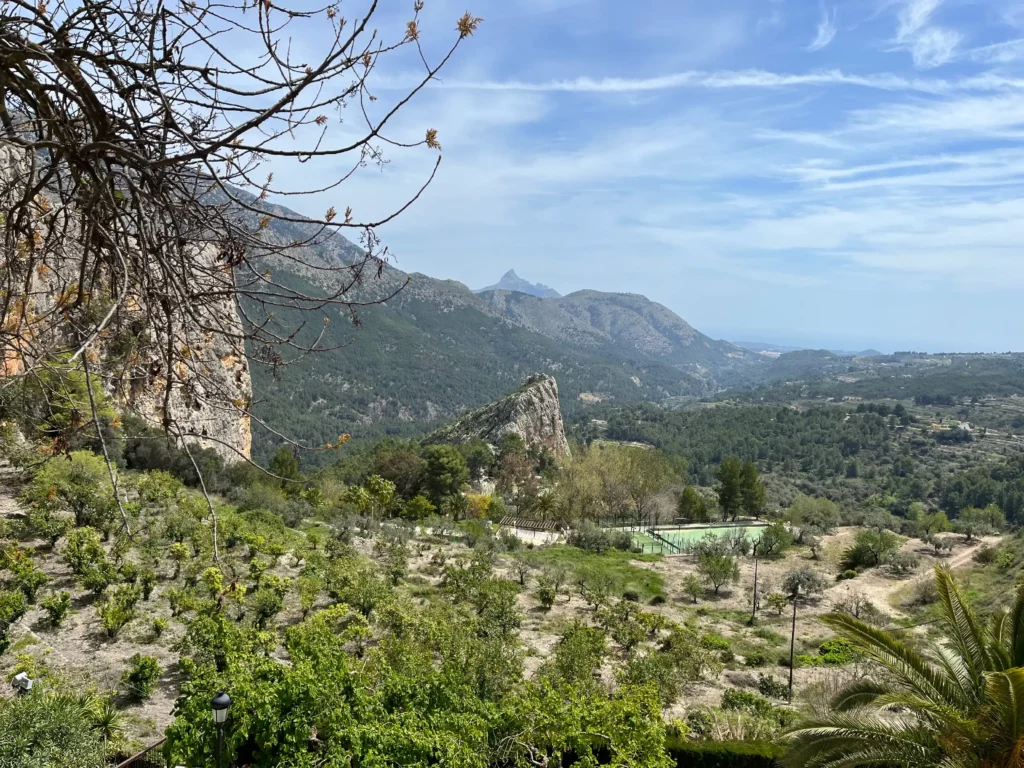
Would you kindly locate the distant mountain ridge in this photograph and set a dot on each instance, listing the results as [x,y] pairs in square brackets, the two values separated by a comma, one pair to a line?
[510,281]
[435,348]
[767,349]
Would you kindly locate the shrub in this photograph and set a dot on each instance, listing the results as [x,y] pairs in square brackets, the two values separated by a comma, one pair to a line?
[985,555]
[771,687]
[12,607]
[28,579]
[657,600]
[770,635]
[159,626]
[546,596]
[1005,559]
[837,652]
[713,642]
[56,606]
[142,675]
[746,701]
[777,602]
[902,563]
[700,722]
[756,659]
[119,609]
[82,550]
[632,595]
[870,548]
[849,573]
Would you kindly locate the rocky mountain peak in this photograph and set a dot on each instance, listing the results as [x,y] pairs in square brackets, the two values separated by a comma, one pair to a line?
[510,281]
[532,412]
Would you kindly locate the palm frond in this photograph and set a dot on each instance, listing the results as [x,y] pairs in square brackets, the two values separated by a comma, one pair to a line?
[909,667]
[1014,638]
[966,634]
[847,741]
[959,672]
[858,694]
[1004,692]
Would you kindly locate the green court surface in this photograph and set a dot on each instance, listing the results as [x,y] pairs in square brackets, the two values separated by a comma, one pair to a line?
[686,537]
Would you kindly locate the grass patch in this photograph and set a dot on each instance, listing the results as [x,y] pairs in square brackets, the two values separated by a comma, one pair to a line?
[615,565]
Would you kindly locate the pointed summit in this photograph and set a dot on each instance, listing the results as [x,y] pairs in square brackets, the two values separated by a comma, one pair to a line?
[510,281]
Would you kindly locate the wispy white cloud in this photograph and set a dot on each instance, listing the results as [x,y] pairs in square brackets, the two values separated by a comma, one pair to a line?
[930,45]
[747,78]
[826,30]
[998,53]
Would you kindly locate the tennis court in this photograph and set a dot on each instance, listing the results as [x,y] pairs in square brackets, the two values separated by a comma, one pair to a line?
[684,538]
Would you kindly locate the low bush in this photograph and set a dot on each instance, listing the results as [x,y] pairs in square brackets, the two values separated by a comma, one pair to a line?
[56,606]
[746,701]
[771,687]
[985,555]
[902,563]
[141,677]
[849,573]
[713,642]
[756,659]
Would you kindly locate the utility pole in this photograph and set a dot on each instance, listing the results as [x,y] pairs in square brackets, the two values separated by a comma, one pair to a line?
[792,643]
[753,612]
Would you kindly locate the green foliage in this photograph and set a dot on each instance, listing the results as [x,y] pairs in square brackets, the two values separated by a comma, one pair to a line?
[607,573]
[593,538]
[47,522]
[771,687]
[12,607]
[693,586]
[730,487]
[56,605]
[718,570]
[870,548]
[801,582]
[83,550]
[118,609]
[546,595]
[777,602]
[141,677]
[159,626]
[418,508]
[774,540]
[46,729]
[720,754]
[949,716]
[78,483]
[157,487]
[835,652]
[692,506]
[752,491]
[445,472]
[978,522]
[748,702]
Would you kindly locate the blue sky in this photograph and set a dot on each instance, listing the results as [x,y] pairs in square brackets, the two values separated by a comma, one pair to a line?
[828,174]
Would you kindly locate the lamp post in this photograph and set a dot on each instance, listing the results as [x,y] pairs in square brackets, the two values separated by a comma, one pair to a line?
[219,705]
[22,683]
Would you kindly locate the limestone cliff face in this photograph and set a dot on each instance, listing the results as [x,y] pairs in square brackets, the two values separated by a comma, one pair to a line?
[209,394]
[532,412]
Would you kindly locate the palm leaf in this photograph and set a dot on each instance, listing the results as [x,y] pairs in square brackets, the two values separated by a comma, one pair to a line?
[1005,694]
[846,741]
[859,694]
[1014,635]
[965,632]
[909,667]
